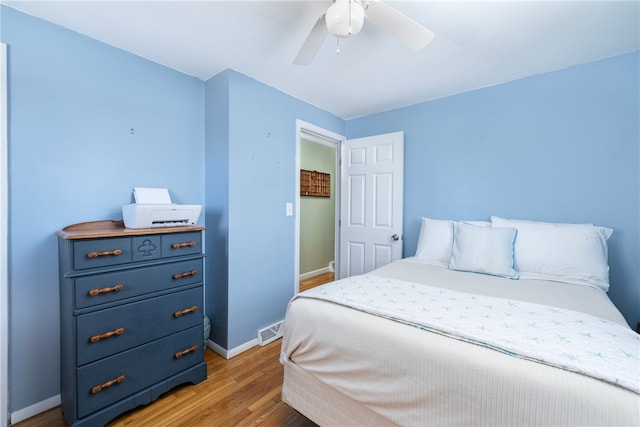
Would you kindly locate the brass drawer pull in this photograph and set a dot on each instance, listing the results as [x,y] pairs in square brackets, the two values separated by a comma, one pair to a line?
[98,388]
[109,334]
[115,252]
[185,274]
[191,349]
[186,311]
[116,288]
[183,244]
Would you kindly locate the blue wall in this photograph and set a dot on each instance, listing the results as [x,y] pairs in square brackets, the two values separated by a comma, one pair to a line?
[217,206]
[560,147]
[72,158]
[258,278]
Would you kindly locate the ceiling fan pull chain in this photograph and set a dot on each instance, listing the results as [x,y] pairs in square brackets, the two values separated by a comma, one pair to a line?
[350,27]
[337,45]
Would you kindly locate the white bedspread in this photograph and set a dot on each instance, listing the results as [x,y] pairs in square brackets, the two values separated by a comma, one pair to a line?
[349,367]
[558,337]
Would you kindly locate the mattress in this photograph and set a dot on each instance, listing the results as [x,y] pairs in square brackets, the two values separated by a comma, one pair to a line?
[349,367]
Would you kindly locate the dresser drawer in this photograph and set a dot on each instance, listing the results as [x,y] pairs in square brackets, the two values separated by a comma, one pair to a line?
[93,253]
[108,287]
[178,244]
[106,332]
[101,252]
[108,380]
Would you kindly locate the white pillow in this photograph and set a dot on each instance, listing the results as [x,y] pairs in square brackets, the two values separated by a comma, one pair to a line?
[485,250]
[434,242]
[571,253]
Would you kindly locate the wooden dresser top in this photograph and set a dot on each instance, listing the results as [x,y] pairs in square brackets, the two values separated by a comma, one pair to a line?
[110,228]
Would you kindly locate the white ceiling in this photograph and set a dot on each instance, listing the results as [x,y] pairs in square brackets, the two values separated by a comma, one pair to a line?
[477,44]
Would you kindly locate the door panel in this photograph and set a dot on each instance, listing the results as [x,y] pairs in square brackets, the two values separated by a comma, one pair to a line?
[382,193]
[357,193]
[355,258]
[371,202]
[383,254]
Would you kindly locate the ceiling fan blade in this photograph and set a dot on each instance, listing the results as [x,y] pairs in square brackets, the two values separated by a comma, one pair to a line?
[398,25]
[313,43]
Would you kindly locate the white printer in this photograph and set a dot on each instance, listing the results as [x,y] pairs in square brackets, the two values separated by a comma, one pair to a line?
[153,208]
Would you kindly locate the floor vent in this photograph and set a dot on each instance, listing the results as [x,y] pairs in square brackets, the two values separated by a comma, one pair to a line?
[270,333]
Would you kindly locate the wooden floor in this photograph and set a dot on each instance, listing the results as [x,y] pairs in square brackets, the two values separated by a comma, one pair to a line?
[242,391]
[315,281]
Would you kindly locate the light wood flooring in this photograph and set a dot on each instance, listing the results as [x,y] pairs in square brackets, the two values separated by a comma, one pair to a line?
[315,281]
[242,391]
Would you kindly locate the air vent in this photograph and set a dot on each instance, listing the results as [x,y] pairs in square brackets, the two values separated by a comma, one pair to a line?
[270,333]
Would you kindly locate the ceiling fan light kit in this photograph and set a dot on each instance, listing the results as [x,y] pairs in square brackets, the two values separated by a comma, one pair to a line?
[345,18]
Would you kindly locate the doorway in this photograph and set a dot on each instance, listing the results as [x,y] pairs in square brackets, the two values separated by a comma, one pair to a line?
[317,237]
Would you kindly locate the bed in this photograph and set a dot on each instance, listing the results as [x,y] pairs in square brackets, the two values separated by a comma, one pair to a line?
[450,337]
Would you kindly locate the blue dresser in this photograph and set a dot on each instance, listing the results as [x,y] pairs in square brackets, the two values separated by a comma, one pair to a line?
[131,316]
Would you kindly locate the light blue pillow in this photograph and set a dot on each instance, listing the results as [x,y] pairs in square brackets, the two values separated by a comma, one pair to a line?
[485,250]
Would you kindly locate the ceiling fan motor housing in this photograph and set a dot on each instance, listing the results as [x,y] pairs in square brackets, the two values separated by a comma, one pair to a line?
[344,18]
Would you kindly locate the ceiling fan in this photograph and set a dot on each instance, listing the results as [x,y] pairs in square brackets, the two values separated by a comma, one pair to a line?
[345,18]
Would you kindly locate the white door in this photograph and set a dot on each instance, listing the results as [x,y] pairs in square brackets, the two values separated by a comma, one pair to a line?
[371,202]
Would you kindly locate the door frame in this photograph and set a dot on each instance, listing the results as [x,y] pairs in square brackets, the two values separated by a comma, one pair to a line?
[4,238]
[317,134]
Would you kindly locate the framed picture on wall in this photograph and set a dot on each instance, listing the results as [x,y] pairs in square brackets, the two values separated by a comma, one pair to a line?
[315,184]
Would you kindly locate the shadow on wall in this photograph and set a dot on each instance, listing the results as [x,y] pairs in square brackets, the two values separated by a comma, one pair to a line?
[216,277]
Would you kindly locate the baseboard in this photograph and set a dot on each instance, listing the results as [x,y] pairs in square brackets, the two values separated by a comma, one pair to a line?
[35,409]
[327,269]
[228,354]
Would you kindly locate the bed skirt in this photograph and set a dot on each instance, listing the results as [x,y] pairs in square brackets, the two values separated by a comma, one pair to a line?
[324,405]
